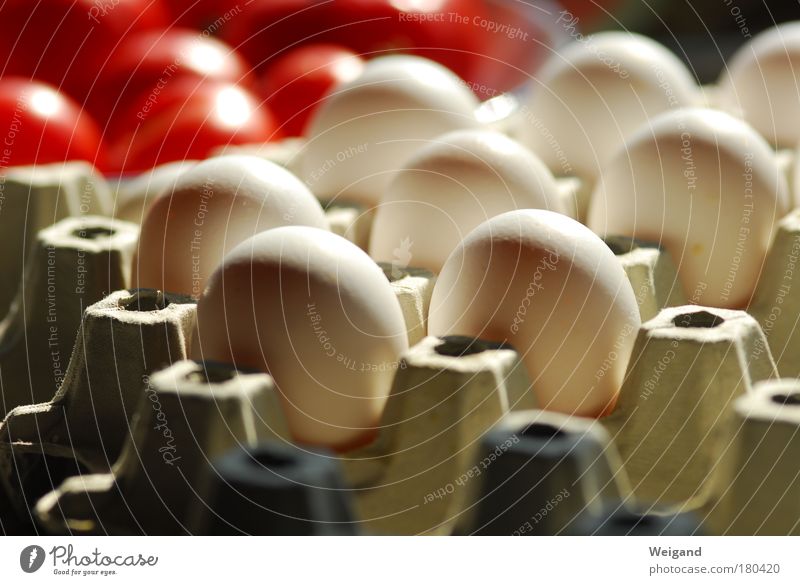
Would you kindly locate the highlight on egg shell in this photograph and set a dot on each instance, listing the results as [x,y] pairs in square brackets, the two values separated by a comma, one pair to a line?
[707,187]
[319,315]
[760,84]
[449,187]
[210,209]
[366,128]
[551,288]
[593,93]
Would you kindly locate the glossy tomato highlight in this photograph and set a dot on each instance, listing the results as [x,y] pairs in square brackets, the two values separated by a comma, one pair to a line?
[188,121]
[41,125]
[149,60]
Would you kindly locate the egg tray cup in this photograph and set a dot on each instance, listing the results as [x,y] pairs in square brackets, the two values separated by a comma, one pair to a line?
[84,426]
[36,197]
[188,415]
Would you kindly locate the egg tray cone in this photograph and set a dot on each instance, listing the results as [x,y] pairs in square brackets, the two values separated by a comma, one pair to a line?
[83,426]
[757,491]
[73,264]
[413,288]
[188,414]
[34,198]
[688,365]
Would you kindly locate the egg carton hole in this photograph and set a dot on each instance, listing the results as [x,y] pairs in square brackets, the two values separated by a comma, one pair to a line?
[212,374]
[543,431]
[700,319]
[268,460]
[94,233]
[145,302]
[460,346]
[792,399]
[150,300]
[633,520]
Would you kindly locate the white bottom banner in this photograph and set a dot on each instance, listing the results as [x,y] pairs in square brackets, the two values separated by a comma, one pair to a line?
[390,560]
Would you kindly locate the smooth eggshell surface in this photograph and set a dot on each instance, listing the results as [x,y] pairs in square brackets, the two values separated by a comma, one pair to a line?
[709,189]
[594,92]
[448,188]
[366,128]
[760,84]
[315,312]
[210,209]
[552,289]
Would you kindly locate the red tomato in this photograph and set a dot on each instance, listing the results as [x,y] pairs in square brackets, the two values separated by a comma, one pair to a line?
[66,42]
[208,15]
[42,125]
[297,81]
[187,121]
[423,27]
[152,59]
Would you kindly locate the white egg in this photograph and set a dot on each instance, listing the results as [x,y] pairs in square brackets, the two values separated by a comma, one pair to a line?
[552,289]
[367,127]
[315,312]
[594,92]
[708,188]
[448,188]
[761,83]
[209,210]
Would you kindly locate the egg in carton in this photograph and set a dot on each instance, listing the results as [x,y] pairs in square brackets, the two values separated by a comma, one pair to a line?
[439,398]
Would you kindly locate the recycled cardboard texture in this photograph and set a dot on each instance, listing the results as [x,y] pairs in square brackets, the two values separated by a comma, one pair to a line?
[277,490]
[758,487]
[687,367]
[73,264]
[188,414]
[619,520]
[350,220]
[83,427]
[652,274]
[776,303]
[446,394]
[537,472]
[34,198]
[413,287]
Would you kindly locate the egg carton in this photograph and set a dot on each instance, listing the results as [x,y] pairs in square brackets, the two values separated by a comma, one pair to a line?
[459,444]
[85,423]
[462,447]
[458,447]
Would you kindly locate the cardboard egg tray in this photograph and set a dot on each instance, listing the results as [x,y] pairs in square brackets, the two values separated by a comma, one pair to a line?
[109,429]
